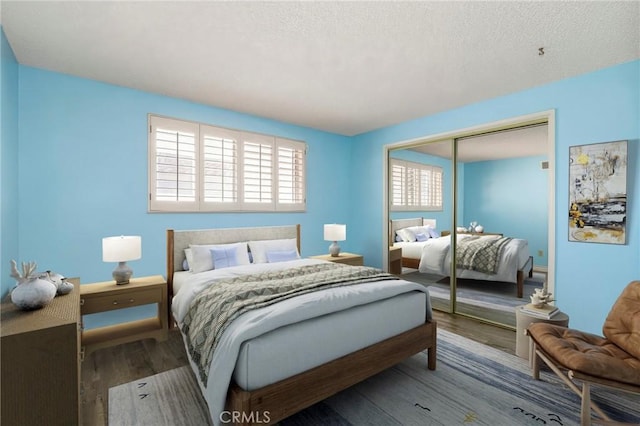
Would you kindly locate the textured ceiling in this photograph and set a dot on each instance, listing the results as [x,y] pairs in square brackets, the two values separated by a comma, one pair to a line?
[344,67]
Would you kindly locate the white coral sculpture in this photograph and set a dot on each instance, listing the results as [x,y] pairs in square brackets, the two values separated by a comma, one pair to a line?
[28,268]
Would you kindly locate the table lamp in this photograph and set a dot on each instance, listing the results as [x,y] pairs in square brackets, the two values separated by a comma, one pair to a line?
[121,249]
[335,232]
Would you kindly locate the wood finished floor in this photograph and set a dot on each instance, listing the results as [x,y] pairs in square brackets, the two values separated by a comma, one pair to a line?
[113,366]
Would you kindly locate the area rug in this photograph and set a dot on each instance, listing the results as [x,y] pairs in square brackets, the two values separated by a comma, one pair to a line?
[472,384]
[487,294]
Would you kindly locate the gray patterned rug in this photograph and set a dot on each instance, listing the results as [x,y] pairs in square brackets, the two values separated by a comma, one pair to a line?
[473,384]
[491,294]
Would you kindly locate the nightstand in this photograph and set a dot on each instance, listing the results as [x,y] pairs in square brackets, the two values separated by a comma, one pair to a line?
[395,260]
[107,296]
[524,320]
[343,257]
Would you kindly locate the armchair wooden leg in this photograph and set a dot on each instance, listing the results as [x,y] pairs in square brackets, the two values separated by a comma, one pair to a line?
[585,408]
[534,360]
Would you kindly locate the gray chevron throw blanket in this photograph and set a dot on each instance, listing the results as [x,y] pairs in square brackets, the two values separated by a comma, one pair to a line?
[222,301]
[480,254]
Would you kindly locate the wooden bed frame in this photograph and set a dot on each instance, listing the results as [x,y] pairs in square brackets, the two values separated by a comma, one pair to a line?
[407,262]
[284,398]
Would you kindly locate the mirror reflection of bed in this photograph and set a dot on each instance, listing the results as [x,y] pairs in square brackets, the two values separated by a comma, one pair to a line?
[489,286]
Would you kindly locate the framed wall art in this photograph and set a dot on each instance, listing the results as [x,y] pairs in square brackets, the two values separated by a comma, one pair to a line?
[598,192]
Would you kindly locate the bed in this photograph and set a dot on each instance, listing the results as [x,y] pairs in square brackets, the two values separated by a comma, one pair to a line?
[281,358]
[433,255]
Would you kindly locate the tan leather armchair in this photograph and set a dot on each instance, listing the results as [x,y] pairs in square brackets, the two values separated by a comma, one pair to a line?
[612,360]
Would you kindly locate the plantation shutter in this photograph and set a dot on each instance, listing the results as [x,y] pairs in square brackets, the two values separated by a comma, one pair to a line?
[291,174]
[398,178]
[173,167]
[219,167]
[433,180]
[195,167]
[257,163]
[415,186]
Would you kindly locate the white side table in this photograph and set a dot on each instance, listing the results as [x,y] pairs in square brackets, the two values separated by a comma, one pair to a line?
[523,320]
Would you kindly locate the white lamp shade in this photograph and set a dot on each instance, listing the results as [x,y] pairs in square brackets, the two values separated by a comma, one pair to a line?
[335,232]
[121,249]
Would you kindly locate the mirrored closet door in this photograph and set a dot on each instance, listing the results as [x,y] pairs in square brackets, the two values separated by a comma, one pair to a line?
[494,197]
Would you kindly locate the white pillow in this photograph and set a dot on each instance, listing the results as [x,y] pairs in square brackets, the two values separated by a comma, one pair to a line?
[188,254]
[260,248]
[406,234]
[203,260]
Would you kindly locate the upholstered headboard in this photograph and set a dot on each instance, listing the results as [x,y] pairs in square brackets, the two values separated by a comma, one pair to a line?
[177,241]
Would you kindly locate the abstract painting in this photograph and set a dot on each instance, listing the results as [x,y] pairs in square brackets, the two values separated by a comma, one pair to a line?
[598,192]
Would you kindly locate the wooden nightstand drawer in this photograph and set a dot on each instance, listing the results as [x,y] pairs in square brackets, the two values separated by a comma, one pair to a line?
[93,304]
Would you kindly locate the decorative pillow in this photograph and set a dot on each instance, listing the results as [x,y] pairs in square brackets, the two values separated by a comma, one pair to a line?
[203,259]
[433,233]
[224,257]
[406,234]
[426,229]
[421,236]
[281,255]
[260,248]
[185,265]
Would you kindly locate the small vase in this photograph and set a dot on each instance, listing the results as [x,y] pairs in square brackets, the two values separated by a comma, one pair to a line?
[33,294]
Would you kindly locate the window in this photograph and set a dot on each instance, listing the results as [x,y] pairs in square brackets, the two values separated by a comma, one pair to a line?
[196,167]
[415,186]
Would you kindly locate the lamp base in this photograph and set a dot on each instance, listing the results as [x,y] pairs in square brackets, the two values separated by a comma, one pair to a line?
[334,249]
[122,273]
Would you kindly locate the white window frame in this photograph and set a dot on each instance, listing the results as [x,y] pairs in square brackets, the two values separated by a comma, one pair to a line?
[415,186]
[230,172]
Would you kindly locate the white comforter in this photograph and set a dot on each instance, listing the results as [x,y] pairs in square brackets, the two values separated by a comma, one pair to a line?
[436,259]
[260,321]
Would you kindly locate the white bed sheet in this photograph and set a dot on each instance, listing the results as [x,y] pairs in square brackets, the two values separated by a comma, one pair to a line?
[436,259]
[411,250]
[256,323]
[290,350]
[179,278]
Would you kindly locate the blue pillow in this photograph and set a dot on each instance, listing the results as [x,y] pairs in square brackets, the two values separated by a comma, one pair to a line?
[281,256]
[224,257]
[434,233]
[185,265]
[421,236]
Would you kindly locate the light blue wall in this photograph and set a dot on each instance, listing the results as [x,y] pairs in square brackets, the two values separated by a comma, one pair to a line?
[9,163]
[510,197]
[83,158]
[82,175]
[596,107]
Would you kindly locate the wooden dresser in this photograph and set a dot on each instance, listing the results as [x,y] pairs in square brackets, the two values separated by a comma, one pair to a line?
[40,362]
